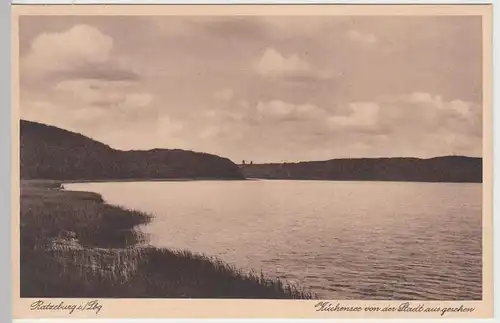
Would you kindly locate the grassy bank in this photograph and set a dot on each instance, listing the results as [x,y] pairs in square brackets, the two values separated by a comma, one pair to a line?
[75,245]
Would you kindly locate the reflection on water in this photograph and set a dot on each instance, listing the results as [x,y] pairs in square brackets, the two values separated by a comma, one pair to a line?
[342,240]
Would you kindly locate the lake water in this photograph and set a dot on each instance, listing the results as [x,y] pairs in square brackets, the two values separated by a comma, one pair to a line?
[342,240]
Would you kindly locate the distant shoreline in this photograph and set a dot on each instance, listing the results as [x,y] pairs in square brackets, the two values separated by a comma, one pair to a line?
[259,179]
[76,181]
[356,180]
[445,169]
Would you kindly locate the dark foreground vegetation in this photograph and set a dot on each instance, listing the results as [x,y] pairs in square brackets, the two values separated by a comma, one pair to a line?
[439,169]
[48,152]
[75,245]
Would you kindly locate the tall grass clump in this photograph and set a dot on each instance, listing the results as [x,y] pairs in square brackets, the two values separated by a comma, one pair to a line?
[75,245]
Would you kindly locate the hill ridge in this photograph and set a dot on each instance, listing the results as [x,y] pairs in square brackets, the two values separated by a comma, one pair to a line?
[50,152]
[362,158]
[435,169]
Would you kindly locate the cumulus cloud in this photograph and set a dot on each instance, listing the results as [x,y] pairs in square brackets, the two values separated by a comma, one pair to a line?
[122,127]
[85,105]
[269,85]
[417,112]
[416,124]
[73,80]
[361,37]
[432,113]
[62,51]
[82,51]
[274,64]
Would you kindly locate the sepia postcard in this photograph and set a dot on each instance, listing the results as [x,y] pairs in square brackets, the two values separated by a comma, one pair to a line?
[253,161]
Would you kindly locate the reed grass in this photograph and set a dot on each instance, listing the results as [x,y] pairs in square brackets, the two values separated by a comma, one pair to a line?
[75,245]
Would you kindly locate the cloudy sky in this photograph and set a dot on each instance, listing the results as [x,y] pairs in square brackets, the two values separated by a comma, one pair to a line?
[259,88]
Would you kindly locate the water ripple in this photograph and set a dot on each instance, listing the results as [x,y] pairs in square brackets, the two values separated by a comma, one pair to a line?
[348,240]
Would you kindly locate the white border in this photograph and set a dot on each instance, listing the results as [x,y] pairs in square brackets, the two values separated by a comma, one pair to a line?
[248,2]
[6,306]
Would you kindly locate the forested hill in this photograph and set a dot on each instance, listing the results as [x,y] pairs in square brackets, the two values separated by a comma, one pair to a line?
[48,152]
[438,169]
